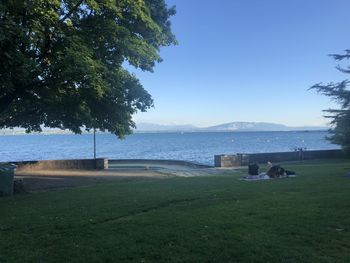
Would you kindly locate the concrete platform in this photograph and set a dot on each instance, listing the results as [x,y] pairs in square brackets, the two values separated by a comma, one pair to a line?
[118,170]
[170,167]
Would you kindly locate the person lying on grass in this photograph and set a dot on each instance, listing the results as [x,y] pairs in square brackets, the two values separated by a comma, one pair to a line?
[274,171]
[277,171]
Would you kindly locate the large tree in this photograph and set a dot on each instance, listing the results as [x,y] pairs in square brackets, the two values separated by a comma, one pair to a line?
[340,118]
[61,61]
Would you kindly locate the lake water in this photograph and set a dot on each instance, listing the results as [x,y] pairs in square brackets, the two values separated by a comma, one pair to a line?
[196,146]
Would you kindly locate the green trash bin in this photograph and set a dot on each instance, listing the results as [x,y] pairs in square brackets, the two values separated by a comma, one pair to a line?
[7,172]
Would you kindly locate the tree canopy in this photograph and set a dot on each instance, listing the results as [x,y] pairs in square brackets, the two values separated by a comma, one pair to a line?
[61,61]
[340,118]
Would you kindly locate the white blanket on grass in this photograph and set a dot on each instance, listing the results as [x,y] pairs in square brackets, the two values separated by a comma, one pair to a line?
[263,176]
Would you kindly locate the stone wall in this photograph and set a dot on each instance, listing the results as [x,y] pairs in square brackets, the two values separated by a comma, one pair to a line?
[83,164]
[159,161]
[245,159]
[227,160]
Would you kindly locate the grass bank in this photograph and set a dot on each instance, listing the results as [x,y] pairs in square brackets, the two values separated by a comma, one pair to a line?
[201,219]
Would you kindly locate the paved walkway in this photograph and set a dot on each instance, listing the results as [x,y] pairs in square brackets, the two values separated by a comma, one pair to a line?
[117,171]
[171,169]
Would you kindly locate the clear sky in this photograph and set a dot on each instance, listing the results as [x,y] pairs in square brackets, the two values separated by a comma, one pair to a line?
[248,60]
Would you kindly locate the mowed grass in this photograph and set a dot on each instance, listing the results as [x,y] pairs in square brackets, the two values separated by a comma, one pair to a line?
[202,219]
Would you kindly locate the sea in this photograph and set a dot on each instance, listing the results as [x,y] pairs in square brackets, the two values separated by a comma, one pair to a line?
[199,147]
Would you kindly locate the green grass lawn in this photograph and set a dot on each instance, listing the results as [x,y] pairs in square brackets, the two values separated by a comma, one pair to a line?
[202,219]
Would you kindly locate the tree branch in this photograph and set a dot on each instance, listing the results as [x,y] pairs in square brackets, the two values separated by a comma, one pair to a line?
[6,101]
[71,11]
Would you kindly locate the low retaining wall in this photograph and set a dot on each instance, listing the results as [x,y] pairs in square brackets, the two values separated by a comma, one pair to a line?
[160,161]
[245,159]
[83,164]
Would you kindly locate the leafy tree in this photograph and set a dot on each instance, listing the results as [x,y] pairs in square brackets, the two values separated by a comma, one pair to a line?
[61,61]
[340,118]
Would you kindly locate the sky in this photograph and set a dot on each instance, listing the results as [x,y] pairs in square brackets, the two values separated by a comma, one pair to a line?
[248,60]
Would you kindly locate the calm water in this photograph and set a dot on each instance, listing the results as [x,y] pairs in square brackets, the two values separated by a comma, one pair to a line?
[198,146]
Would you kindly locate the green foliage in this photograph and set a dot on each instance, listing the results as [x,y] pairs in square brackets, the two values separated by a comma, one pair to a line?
[340,118]
[62,61]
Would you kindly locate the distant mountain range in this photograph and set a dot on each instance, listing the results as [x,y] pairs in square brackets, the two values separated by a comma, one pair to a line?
[260,126]
[237,126]
[232,126]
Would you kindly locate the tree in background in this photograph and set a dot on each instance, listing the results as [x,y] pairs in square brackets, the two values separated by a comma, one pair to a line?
[61,61]
[340,118]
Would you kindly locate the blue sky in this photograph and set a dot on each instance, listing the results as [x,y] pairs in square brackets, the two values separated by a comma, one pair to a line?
[248,60]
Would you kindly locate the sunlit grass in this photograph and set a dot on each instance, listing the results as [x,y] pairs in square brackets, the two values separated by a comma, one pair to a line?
[201,219]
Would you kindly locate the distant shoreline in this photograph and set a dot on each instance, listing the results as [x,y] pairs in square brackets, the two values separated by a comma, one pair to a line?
[213,131]
[17,133]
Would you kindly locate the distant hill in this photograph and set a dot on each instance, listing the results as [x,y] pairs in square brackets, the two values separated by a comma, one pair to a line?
[259,126]
[248,126]
[152,127]
[232,126]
